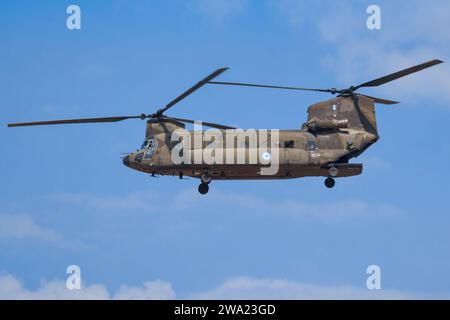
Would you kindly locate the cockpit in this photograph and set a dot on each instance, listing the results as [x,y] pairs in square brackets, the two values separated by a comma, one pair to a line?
[149,147]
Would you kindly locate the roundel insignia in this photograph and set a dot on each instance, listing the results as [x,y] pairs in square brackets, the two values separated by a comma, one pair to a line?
[266,156]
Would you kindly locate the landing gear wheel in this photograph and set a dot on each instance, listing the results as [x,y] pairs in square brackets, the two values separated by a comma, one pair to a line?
[205,178]
[203,188]
[329,182]
[333,172]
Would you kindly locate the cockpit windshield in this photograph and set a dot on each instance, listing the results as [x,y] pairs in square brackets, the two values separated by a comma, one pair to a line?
[145,144]
[150,146]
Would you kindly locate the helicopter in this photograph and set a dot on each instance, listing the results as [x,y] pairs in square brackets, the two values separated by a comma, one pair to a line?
[336,131]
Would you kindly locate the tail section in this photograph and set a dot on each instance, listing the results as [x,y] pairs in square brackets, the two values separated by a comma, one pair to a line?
[357,112]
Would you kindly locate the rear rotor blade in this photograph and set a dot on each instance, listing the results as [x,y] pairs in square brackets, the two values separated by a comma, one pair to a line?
[193,89]
[207,124]
[379,100]
[67,121]
[398,74]
[269,86]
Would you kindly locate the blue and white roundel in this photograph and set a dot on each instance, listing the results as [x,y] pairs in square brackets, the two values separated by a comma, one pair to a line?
[266,156]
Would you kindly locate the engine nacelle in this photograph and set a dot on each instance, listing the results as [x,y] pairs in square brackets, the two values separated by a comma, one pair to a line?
[326,124]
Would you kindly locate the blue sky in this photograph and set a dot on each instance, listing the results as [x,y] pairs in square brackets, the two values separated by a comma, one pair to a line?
[66,198]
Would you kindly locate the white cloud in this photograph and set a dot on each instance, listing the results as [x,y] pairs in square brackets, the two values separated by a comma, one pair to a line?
[12,288]
[325,212]
[411,33]
[233,288]
[257,288]
[22,227]
[155,290]
[137,201]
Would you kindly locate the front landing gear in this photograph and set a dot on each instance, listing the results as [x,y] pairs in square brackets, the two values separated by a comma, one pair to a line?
[333,172]
[205,178]
[203,188]
[329,183]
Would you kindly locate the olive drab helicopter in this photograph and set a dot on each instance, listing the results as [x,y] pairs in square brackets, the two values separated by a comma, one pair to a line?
[335,131]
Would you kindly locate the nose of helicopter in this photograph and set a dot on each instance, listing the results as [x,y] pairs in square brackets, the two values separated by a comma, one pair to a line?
[126,160]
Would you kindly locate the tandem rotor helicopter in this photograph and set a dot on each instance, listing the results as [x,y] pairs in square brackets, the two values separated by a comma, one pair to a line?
[335,131]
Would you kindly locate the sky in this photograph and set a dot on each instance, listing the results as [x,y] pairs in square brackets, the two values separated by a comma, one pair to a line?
[67,199]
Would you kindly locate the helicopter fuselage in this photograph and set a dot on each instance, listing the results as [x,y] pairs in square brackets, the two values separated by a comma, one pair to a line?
[300,153]
[336,131]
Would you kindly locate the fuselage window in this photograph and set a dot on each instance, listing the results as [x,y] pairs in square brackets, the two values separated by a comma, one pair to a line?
[289,144]
[144,145]
[310,145]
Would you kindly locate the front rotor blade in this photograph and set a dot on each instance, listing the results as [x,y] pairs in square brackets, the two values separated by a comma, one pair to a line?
[379,100]
[268,86]
[194,88]
[67,121]
[398,74]
[207,124]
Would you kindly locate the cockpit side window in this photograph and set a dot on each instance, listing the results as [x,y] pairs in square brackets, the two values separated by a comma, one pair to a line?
[144,144]
[310,145]
[151,145]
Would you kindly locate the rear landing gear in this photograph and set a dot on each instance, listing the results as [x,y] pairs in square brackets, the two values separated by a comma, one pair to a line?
[333,172]
[203,188]
[329,183]
[205,178]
